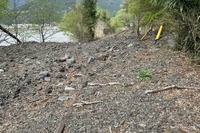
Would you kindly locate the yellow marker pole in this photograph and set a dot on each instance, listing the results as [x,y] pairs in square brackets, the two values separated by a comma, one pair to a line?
[159,32]
[146,33]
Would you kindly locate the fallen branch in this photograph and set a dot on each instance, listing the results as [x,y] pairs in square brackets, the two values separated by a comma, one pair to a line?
[170,88]
[86,103]
[110,84]
[10,34]
[107,84]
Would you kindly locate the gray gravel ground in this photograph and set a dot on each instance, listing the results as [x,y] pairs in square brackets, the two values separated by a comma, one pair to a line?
[93,88]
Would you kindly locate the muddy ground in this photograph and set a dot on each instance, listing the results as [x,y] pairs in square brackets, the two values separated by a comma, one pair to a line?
[94,88]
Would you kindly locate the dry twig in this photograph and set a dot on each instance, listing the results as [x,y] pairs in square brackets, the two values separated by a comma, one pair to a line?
[86,103]
[170,88]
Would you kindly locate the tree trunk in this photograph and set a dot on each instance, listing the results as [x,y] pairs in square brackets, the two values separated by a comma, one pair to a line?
[138,25]
[10,34]
[43,38]
[42,33]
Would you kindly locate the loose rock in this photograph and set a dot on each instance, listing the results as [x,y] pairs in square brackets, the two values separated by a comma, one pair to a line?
[3,65]
[60,84]
[69,89]
[91,59]
[63,98]
[48,90]
[62,59]
[44,73]
[1,70]
[71,61]
[47,79]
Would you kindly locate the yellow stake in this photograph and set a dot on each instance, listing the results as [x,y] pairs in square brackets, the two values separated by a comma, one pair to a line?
[159,32]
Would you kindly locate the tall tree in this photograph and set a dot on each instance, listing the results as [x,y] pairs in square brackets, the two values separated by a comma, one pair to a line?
[44,14]
[72,23]
[145,12]
[121,19]
[14,15]
[80,21]
[90,16]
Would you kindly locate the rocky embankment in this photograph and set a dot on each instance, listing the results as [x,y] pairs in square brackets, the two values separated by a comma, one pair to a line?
[93,87]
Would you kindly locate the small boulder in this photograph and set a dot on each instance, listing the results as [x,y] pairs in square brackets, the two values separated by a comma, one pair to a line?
[198,126]
[69,89]
[71,61]
[62,69]
[48,90]
[62,59]
[130,45]
[44,73]
[103,56]
[47,79]
[1,70]
[27,60]
[91,59]
[60,84]
[38,62]
[142,125]
[3,65]
[63,98]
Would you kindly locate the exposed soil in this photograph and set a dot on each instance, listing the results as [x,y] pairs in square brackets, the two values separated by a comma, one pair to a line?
[93,88]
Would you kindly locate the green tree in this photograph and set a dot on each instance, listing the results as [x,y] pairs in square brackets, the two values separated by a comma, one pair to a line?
[121,19]
[144,12]
[80,21]
[72,23]
[90,17]
[44,14]
[103,15]
[3,4]
[14,15]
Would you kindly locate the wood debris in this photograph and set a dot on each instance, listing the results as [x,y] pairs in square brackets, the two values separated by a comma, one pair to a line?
[82,103]
[110,84]
[170,88]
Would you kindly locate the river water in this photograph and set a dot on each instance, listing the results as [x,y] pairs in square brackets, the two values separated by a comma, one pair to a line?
[30,35]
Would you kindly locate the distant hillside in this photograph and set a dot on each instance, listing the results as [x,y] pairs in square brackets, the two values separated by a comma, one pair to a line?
[112,6]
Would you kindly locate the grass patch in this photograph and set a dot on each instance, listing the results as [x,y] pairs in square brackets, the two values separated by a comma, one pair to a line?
[144,74]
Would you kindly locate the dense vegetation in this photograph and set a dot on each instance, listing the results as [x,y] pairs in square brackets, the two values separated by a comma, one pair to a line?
[181,17]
